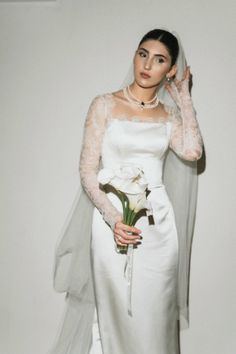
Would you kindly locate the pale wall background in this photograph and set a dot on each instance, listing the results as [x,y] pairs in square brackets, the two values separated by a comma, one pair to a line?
[55,57]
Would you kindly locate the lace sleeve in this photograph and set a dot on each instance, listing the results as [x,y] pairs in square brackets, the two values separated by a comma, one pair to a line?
[94,128]
[186,139]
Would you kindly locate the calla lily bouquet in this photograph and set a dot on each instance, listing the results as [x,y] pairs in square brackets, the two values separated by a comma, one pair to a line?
[128,182]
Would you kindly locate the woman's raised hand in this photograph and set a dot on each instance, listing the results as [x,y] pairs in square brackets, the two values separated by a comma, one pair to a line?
[179,89]
[121,236]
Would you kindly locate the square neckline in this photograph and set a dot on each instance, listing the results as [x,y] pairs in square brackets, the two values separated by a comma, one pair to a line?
[138,119]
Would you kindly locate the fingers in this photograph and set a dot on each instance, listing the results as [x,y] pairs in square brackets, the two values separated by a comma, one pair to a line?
[125,234]
[128,228]
[178,83]
[172,91]
[169,88]
[186,73]
[186,76]
[124,238]
[124,242]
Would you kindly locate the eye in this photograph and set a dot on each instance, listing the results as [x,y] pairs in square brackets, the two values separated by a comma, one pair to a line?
[160,60]
[142,54]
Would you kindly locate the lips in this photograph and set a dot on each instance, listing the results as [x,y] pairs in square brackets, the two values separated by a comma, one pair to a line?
[145,76]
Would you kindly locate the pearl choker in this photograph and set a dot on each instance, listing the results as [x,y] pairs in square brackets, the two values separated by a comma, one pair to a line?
[131,98]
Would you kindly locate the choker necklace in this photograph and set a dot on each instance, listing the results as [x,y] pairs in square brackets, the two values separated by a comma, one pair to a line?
[131,98]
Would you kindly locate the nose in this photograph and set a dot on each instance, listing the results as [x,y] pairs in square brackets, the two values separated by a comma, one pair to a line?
[148,64]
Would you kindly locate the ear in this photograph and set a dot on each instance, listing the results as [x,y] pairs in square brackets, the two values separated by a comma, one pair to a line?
[173,70]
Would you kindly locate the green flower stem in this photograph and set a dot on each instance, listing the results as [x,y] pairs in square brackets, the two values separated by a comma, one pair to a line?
[132,220]
[130,216]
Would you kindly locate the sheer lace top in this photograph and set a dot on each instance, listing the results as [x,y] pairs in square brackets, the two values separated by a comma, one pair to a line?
[185,139]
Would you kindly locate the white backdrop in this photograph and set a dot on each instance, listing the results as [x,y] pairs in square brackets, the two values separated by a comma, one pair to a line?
[55,57]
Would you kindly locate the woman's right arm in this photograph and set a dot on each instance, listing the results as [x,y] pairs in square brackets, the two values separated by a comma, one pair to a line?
[94,128]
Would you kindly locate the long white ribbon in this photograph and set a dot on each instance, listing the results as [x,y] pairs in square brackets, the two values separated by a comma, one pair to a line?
[128,268]
[128,272]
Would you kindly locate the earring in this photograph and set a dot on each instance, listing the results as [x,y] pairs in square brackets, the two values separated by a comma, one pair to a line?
[168,79]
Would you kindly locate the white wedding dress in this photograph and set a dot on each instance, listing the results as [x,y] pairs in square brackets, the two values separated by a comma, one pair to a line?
[113,132]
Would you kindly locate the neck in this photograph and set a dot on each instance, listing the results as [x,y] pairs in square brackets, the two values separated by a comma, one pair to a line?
[143,93]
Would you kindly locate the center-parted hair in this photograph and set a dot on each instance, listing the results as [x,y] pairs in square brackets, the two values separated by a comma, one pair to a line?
[165,37]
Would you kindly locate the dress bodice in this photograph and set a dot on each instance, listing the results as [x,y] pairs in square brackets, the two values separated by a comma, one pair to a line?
[115,132]
[137,142]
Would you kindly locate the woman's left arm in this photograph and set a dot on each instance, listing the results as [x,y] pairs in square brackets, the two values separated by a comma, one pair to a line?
[186,139]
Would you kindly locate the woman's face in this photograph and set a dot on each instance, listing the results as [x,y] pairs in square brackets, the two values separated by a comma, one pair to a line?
[152,62]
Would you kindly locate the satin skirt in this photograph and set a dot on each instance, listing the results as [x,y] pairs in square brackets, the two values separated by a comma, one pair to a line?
[152,328]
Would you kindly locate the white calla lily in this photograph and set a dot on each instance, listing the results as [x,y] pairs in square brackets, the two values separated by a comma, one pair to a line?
[137,202]
[128,178]
[105,175]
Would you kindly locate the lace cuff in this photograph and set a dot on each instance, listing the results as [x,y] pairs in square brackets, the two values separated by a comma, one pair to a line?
[94,129]
[186,139]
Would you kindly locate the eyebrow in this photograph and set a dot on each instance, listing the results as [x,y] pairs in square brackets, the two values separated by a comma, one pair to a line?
[158,55]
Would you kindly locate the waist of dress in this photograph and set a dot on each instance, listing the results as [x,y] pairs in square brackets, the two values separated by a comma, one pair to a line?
[151,167]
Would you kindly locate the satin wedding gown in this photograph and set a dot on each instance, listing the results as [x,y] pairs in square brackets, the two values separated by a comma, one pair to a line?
[113,132]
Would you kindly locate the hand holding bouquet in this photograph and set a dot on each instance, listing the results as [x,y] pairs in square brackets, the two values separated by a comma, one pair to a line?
[128,182]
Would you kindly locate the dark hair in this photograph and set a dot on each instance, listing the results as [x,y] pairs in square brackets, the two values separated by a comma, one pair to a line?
[165,37]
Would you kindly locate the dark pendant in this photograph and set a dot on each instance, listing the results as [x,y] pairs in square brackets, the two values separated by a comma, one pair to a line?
[142,103]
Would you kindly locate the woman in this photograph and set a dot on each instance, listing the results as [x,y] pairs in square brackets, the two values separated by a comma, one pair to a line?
[135,126]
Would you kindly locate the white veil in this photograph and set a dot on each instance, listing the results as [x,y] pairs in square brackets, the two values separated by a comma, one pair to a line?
[72,266]
[181,180]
